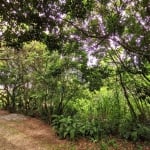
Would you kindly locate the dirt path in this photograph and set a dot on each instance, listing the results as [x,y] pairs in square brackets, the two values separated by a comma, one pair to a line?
[18,132]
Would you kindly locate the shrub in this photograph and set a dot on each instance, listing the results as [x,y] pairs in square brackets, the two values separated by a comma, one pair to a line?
[134,131]
[71,127]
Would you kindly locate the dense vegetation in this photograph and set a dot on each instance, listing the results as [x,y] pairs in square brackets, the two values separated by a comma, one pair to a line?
[45,68]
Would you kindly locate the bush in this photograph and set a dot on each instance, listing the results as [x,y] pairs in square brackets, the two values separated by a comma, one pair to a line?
[134,131]
[72,128]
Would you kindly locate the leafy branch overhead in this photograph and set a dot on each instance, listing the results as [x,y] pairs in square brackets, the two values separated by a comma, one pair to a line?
[81,65]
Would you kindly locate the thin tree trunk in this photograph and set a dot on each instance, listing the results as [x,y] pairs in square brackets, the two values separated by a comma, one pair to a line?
[127,98]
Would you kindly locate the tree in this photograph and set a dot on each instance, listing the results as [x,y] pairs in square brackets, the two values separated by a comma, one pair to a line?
[116,29]
[37,82]
[120,29]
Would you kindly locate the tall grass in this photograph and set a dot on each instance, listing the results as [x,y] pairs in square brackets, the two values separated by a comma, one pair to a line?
[99,114]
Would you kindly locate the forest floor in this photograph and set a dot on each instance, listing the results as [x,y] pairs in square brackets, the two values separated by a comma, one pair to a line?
[19,132]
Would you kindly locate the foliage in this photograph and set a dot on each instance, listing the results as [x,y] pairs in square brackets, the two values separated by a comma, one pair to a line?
[99,117]
[72,128]
[134,131]
[44,52]
[38,83]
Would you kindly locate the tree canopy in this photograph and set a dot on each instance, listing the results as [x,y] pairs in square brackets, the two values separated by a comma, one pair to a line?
[66,33]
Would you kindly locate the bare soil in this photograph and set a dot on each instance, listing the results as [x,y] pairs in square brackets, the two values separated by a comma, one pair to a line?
[19,132]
